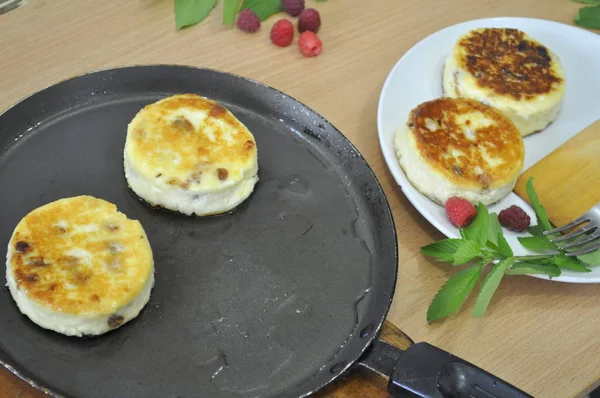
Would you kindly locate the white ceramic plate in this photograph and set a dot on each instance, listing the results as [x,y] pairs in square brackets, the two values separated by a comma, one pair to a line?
[417,77]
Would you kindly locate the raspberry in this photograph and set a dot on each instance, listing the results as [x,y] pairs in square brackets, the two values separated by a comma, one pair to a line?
[282,33]
[248,21]
[460,211]
[310,44]
[309,20]
[514,219]
[293,7]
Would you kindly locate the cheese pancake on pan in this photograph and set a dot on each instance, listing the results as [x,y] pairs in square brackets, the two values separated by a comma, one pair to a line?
[509,70]
[79,267]
[460,147]
[190,154]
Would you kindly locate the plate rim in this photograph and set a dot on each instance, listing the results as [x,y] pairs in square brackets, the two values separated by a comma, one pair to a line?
[391,158]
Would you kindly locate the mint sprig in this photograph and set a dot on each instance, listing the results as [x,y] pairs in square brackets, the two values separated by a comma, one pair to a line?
[263,8]
[190,12]
[490,284]
[525,268]
[230,9]
[483,245]
[454,292]
[588,17]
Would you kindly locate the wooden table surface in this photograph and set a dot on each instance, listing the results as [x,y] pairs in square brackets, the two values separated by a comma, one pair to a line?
[541,336]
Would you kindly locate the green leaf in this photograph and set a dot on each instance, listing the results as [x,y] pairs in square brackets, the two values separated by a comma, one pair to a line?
[588,17]
[442,250]
[569,262]
[467,251]
[230,8]
[263,8]
[536,230]
[478,230]
[581,1]
[526,268]
[536,243]
[503,246]
[592,258]
[494,228]
[489,286]
[540,211]
[321,1]
[191,12]
[454,292]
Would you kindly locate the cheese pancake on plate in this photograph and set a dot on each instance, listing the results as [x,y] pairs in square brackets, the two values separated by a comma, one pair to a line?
[190,154]
[79,267]
[509,70]
[460,147]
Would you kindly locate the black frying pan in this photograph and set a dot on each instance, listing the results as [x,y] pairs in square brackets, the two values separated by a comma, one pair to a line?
[277,298]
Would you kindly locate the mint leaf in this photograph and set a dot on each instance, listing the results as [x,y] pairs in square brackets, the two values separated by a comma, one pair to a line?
[581,1]
[525,268]
[536,243]
[494,228]
[467,251]
[230,8]
[592,258]
[569,262]
[490,284]
[443,250]
[454,292]
[588,17]
[191,12]
[540,212]
[536,230]
[478,230]
[263,8]
[503,246]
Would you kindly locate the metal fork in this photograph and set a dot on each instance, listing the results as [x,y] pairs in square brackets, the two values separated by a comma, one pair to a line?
[587,233]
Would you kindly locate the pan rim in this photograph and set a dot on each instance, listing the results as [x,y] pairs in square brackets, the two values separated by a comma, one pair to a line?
[387,211]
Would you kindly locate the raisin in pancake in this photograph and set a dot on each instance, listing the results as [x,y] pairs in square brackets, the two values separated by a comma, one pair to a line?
[509,70]
[79,267]
[189,154]
[460,147]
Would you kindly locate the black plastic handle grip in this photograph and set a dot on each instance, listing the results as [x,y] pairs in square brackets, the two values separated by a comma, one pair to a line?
[427,371]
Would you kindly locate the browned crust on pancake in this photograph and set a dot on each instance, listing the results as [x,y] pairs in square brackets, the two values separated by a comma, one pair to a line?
[42,268]
[508,63]
[197,151]
[501,140]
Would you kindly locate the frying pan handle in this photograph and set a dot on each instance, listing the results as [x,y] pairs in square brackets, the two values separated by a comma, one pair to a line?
[427,371]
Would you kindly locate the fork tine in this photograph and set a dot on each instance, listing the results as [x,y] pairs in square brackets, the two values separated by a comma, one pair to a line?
[573,234]
[570,225]
[583,241]
[587,249]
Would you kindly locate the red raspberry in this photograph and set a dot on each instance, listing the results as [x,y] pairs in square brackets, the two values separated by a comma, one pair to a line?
[248,21]
[460,211]
[293,7]
[514,219]
[309,20]
[282,33]
[310,44]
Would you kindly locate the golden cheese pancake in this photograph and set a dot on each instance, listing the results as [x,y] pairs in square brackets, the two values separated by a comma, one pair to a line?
[460,147]
[79,267]
[509,70]
[190,154]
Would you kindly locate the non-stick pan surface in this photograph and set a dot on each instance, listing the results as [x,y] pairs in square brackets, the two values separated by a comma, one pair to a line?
[277,298]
